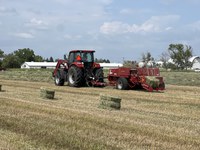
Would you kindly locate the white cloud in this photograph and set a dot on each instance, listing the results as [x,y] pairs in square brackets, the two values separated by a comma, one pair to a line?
[74,37]
[126,11]
[106,2]
[24,35]
[154,24]
[4,10]
[36,23]
[167,2]
[195,26]
[114,27]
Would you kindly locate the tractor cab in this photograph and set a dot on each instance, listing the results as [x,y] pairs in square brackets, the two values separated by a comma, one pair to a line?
[85,56]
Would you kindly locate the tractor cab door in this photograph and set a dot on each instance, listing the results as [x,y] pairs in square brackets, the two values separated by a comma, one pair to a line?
[74,57]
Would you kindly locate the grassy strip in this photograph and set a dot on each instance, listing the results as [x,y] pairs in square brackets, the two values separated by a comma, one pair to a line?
[182,78]
[45,75]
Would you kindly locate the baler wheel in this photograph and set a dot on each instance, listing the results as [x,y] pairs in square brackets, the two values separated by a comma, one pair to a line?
[99,75]
[75,77]
[122,84]
[58,79]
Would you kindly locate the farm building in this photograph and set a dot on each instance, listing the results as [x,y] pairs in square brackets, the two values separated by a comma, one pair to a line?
[50,65]
[110,65]
[38,65]
[195,62]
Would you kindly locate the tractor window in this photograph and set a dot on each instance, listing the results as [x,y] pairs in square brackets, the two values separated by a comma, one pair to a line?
[87,57]
[71,58]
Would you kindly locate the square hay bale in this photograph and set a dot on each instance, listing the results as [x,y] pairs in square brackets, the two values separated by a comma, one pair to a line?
[152,81]
[109,102]
[47,93]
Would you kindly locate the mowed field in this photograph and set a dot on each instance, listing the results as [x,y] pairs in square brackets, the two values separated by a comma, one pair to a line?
[157,120]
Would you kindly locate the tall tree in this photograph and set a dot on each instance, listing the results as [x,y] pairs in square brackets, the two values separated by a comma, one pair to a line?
[38,58]
[130,64]
[180,54]
[147,57]
[24,55]
[164,58]
[1,56]
[102,60]
[1,53]
[11,61]
[51,59]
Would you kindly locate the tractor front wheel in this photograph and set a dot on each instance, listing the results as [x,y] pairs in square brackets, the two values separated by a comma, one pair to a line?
[58,79]
[122,84]
[75,77]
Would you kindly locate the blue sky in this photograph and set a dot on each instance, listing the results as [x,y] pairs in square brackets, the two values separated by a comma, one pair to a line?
[116,29]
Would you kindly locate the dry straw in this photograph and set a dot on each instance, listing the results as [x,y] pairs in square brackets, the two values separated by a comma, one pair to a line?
[109,102]
[47,93]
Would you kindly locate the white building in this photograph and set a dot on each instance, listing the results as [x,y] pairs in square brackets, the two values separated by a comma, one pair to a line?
[195,60]
[195,63]
[38,65]
[52,65]
[110,65]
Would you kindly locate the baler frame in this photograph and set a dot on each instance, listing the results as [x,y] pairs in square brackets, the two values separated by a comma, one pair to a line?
[137,77]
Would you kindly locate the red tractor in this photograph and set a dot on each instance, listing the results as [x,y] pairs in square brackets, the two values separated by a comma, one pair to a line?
[127,78]
[79,70]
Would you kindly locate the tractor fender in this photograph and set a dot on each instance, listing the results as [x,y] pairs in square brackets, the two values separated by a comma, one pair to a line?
[96,65]
[77,64]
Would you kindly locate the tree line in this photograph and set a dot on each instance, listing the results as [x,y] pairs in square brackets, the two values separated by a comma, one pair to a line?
[178,53]
[18,57]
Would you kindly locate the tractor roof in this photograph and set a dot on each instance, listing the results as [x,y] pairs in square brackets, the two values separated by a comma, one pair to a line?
[82,51]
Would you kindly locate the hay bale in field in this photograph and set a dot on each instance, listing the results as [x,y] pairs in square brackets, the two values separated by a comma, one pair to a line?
[152,81]
[110,102]
[47,93]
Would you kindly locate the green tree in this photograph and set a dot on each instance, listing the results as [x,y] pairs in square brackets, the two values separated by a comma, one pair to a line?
[1,57]
[1,53]
[24,55]
[130,64]
[147,57]
[180,54]
[11,61]
[164,58]
[38,58]
[102,60]
[51,59]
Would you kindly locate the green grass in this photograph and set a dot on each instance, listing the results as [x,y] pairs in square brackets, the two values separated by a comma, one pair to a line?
[38,75]
[182,78]
[45,75]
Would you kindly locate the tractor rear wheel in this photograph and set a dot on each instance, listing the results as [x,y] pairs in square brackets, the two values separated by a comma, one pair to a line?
[99,75]
[122,84]
[75,77]
[59,81]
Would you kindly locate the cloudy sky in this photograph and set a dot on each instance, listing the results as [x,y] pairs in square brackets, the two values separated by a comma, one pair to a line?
[116,29]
